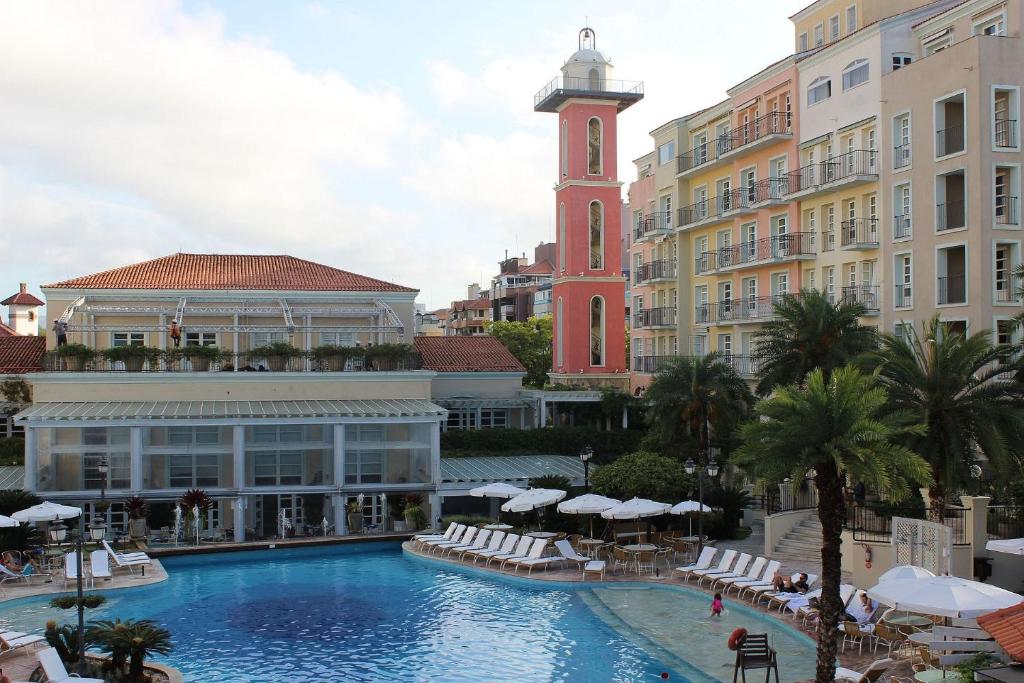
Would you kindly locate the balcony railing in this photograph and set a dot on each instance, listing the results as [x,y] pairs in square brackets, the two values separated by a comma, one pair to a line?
[237,362]
[866,295]
[655,317]
[1005,294]
[771,248]
[769,189]
[656,270]
[950,215]
[859,232]
[741,310]
[1007,211]
[901,226]
[659,222]
[744,366]
[952,289]
[859,162]
[901,157]
[772,123]
[715,207]
[701,154]
[595,85]
[949,140]
[702,314]
[651,364]
[904,296]
[828,240]
[1005,131]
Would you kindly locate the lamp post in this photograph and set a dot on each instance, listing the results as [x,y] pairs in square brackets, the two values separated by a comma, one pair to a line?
[708,465]
[97,530]
[585,455]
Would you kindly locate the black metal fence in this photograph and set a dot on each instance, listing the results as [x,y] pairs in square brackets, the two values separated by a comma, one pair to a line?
[1006,521]
[872,522]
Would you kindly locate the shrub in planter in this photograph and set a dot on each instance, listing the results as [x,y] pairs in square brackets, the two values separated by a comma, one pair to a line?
[415,517]
[137,509]
[390,357]
[133,357]
[75,356]
[130,641]
[277,355]
[334,358]
[199,356]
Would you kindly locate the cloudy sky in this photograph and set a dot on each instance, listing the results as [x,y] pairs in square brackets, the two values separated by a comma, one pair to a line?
[395,139]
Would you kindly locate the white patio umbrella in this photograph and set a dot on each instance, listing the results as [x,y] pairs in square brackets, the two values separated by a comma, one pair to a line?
[497,490]
[688,506]
[944,596]
[589,504]
[635,509]
[905,571]
[1013,546]
[8,521]
[533,499]
[46,512]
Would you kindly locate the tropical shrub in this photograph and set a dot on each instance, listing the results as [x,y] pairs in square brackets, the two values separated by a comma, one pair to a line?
[13,500]
[643,475]
[130,641]
[12,452]
[547,441]
[64,639]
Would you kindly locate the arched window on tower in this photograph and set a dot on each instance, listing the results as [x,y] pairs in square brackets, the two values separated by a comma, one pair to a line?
[565,148]
[560,337]
[595,79]
[561,237]
[594,135]
[596,236]
[597,331]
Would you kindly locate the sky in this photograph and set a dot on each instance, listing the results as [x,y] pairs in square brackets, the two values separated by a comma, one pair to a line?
[392,139]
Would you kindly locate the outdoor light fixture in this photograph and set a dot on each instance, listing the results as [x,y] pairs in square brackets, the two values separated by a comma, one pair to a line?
[585,455]
[97,533]
[58,532]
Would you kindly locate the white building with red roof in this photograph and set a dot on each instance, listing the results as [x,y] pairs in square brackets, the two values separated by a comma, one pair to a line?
[22,313]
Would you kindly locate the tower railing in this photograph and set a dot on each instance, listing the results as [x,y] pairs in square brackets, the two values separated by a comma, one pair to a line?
[600,85]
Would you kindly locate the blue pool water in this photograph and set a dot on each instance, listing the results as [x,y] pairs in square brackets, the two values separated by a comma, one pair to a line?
[370,613]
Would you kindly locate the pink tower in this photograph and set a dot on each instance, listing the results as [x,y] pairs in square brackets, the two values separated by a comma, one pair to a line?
[588,294]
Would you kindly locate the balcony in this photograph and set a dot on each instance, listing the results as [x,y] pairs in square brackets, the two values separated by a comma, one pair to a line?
[1005,133]
[653,318]
[949,140]
[714,209]
[775,249]
[702,157]
[651,364]
[761,132]
[950,216]
[951,289]
[769,192]
[561,88]
[901,227]
[904,296]
[357,361]
[656,271]
[653,225]
[1007,212]
[755,309]
[828,240]
[841,172]
[747,367]
[901,157]
[1006,294]
[859,233]
[866,295]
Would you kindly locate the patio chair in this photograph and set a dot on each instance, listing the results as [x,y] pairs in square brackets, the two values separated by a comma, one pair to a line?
[766,578]
[871,674]
[129,561]
[497,538]
[11,641]
[755,653]
[723,566]
[139,555]
[569,554]
[888,636]
[703,562]
[71,570]
[99,564]
[468,535]
[7,575]
[534,558]
[644,560]
[507,546]
[852,633]
[621,558]
[534,551]
[594,567]
[521,548]
[54,669]
[479,542]
[442,538]
[738,573]
[433,536]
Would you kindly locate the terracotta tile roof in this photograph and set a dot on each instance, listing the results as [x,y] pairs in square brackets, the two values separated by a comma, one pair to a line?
[1007,627]
[540,267]
[22,298]
[230,271]
[21,354]
[6,331]
[466,354]
[472,305]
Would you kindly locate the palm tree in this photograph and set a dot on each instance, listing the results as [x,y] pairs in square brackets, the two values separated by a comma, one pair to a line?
[966,399]
[808,332]
[689,396]
[831,429]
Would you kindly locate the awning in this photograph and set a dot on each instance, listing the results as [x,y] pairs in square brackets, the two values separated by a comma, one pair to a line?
[482,403]
[12,477]
[513,468]
[184,410]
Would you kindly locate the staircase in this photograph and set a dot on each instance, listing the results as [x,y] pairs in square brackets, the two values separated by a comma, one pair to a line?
[802,543]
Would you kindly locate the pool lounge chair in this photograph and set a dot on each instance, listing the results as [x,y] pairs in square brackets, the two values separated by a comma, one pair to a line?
[497,538]
[703,562]
[520,550]
[739,571]
[569,555]
[805,612]
[54,669]
[765,580]
[436,536]
[7,575]
[131,557]
[457,538]
[479,543]
[780,598]
[71,570]
[726,581]
[12,641]
[534,558]
[594,567]
[441,538]
[506,547]
[724,565]
[871,674]
[99,564]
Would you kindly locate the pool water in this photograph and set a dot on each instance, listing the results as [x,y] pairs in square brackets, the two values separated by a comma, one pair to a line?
[369,612]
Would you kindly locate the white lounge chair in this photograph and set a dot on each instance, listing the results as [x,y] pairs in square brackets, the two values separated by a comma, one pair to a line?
[534,558]
[764,580]
[466,540]
[871,674]
[99,563]
[536,549]
[55,671]
[71,570]
[497,538]
[11,641]
[128,561]
[460,529]
[703,562]
[594,567]
[478,543]
[507,546]
[127,556]
[466,534]
[7,575]
[723,567]
[779,598]
[569,555]
[739,571]
[520,550]
[435,536]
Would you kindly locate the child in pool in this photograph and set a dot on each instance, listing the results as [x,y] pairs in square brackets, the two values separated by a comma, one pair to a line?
[717,606]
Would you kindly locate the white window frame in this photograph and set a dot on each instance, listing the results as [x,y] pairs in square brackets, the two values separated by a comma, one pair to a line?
[851,26]
[819,35]
[1015,250]
[1014,113]
[897,196]
[935,125]
[852,68]
[902,58]
[897,263]
[1014,190]
[670,147]
[936,43]
[803,43]
[834,28]
[967,275]
[819,82]
[994,19]
[897,131]
[127,339]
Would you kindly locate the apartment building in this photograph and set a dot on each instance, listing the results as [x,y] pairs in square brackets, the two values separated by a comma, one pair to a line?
[518,280]
[951,134]
[827,21]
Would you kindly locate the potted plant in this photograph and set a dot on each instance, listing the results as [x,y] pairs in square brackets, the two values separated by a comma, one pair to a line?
[334,358]
[201,356]
[415,517]
[75,356]
[277,355]
[355,514]
[137,509]
[133,357]
[390,356]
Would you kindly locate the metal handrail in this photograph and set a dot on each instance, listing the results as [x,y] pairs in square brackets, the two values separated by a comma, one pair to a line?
[859,231]
[655,270]
[952,289]
[859,162]
[949,140]
[901,226]
[655,317]
[867,295]
[950,215]
[1005,131]
[601,85]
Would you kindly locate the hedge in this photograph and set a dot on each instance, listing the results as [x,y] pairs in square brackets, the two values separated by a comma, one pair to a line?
[548,441]
[12,452]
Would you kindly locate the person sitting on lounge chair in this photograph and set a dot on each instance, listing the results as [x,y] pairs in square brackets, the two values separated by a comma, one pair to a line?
[801,585]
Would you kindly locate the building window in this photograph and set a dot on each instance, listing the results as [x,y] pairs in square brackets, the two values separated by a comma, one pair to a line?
[904,281]
[565,148]
[936,43]
[901,136]
[666,152]
[561,237]
[819,35]
[128,339]
[594,134]
[900,60]
[994,25]
[803,42]
[596,236]
[819,90]
[855,73]
[597,331]
[200,339]
[851,19]
[833,29]
[560,339]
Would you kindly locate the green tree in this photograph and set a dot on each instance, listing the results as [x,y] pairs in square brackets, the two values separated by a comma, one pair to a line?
[808,332]
[530,342]
[690,394]
[642,475]
[838,428]
[967,401]
[16,390]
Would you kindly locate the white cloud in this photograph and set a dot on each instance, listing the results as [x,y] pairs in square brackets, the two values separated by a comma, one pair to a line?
[450,85]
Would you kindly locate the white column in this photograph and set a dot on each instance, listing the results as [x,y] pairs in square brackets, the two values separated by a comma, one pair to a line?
[542,414]
[162,334]
[309,338]
[135,444]
[435,509]
[338,506]
[31,459]
[338,500]
[234,343]
[479,416]
[625,417]
[435,454]
[238,456]
[238,508]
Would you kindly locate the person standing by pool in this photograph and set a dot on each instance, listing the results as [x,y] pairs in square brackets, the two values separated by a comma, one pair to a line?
[717,606]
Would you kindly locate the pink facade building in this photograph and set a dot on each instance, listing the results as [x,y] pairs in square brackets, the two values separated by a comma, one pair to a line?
[588,292]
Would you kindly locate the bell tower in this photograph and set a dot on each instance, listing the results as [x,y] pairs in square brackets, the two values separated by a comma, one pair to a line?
[588,293]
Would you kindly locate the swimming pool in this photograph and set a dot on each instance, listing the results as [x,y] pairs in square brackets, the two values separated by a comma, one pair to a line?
[368,612]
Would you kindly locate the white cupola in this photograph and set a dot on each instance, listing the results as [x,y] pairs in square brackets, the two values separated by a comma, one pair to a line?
[587,69]
[23,311]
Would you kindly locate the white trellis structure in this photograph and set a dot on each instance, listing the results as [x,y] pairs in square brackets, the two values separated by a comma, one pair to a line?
[923,544]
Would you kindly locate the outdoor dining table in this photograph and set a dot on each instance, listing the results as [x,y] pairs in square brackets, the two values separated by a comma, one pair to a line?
[639,547]
[498,527]
[915,620]
[541,534]
[930,675]
[590,545]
